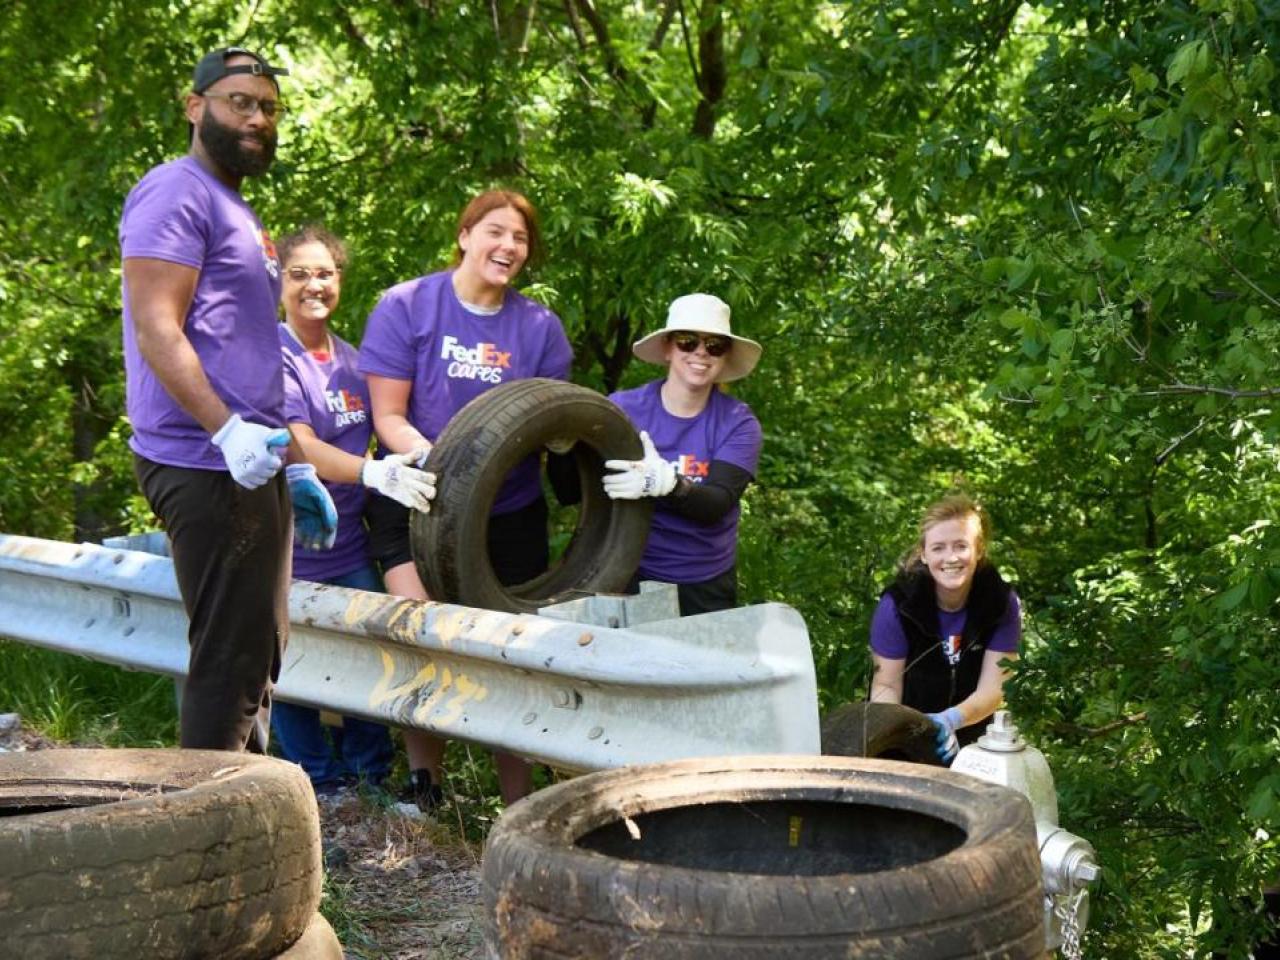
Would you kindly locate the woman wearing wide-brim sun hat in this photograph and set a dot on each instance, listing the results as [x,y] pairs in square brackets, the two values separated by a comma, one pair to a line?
[701,447]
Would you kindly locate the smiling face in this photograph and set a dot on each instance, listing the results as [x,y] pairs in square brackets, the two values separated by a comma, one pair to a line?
[695,370]
[952,550]
[495,249]
[312,285]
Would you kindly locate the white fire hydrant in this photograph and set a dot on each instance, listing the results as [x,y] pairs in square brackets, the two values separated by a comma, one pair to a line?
[1068,862]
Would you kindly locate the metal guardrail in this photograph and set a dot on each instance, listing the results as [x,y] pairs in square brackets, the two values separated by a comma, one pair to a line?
[581,696]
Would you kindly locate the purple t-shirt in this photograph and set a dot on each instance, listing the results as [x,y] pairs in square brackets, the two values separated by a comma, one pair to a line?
[180,213]
[888,639]
[420,332]
[681,550]
[333,400]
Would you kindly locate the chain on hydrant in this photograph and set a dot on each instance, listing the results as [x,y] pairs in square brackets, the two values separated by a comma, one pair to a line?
[1068,863]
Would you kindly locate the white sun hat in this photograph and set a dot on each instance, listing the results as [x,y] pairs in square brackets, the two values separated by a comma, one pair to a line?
[701,313]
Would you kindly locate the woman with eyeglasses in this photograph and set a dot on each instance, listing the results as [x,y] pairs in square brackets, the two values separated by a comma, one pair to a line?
[431,345]
[946,626]
[327,410]
[701,447]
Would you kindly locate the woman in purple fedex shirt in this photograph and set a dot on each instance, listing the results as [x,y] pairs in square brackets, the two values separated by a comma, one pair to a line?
[946,625]
[326,405]
[431,345]
[701,450]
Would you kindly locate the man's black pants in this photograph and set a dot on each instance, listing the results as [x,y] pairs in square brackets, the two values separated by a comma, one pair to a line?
[232,552]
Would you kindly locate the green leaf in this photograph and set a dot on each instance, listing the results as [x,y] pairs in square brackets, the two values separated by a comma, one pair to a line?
[1233,597]
[1062,342]
[1014,319]
[1191,60]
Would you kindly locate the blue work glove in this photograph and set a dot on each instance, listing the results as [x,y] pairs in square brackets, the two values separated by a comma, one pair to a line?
[948,722]
[315,518]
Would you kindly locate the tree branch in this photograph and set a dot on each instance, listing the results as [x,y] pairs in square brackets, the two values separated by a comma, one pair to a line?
[1189,389]
[1093,733]
[1005,21]
[601,33]
[575,24]
[713,75]
[1208,242]
[660,34]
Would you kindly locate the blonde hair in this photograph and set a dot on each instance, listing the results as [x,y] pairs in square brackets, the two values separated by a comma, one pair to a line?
[954,506]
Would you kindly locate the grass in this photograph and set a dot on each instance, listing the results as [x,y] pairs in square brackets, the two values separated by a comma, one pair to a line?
[74,700]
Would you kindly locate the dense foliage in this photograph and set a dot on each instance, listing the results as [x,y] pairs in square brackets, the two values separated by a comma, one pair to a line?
[1028,248]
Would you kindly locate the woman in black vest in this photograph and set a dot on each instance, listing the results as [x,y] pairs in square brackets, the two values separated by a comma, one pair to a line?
[945,625]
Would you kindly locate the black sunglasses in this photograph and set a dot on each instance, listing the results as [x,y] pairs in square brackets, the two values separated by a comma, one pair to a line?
[715,345]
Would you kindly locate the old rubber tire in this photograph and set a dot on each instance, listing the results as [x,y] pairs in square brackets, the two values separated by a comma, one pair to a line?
[764,857]
[318,942]
[472,458]
[889,731]
[154,853]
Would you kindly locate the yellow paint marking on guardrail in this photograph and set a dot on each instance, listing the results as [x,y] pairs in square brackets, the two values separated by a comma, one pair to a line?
[361,606]
[468,691]
[424,707]
[384,691]
[406,623]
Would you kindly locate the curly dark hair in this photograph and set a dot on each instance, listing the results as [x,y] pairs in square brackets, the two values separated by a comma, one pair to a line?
[312,233]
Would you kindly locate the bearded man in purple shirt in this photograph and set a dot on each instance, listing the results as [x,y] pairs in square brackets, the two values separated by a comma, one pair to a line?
[205,396]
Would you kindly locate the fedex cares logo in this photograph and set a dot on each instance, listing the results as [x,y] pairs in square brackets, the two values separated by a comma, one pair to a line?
[687,465]
[269,258]
[484,361]
[346,407]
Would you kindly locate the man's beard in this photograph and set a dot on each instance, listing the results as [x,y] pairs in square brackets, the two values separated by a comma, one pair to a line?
[224,146]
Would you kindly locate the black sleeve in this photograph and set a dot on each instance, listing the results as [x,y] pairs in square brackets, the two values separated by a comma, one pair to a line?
[710,500]
[562,471]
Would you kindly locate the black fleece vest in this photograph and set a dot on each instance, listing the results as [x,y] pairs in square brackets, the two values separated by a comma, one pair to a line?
[932,683]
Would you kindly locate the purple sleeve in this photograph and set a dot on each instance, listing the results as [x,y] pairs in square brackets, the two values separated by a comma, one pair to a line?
[887,638]
[295,400]
[557,357]
[742,446]
[166,218]
[387,349]
[1008,634]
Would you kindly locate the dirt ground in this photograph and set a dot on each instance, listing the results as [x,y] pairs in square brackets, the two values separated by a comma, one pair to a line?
[396,887]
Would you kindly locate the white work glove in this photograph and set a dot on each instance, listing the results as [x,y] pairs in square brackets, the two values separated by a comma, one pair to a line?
[397,478]
[254,454]
[650,477]
[947,723]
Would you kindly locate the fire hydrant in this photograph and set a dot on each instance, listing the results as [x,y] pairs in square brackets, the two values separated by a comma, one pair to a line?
[1068,862]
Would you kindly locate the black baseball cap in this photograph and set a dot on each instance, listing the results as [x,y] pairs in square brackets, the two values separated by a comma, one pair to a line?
[213,67]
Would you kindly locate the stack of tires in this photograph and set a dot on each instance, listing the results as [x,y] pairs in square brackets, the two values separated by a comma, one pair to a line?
[159,853]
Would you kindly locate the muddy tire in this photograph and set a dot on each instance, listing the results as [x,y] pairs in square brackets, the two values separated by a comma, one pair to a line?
[764,857]
[318,942]
[472,458]
[889,731]
[154,853]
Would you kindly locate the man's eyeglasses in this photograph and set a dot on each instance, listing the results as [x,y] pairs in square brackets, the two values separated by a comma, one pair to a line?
[247,106]
[716,346]
[304,274]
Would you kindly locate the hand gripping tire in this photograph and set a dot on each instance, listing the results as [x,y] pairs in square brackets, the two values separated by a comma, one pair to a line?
[749,858]
[472,458]
[889,731]
[154,853]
